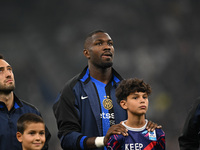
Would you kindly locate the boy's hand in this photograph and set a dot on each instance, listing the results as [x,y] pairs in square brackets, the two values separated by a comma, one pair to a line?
[115,129]
[151,126]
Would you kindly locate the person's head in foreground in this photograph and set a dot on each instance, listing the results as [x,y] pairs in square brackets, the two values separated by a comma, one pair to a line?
[132,95]
[31,131]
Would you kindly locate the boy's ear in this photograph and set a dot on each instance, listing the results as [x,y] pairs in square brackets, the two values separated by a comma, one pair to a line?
[86,53]
[123,104]
[19,136]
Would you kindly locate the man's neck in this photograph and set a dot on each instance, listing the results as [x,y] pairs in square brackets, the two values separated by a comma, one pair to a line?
[8,99]
[103,75]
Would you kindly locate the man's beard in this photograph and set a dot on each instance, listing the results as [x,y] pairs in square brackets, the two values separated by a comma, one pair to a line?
[107,65]
[104,65]
[7,90]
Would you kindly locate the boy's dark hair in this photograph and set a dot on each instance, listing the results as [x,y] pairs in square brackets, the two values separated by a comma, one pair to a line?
[27,118]
[131,85]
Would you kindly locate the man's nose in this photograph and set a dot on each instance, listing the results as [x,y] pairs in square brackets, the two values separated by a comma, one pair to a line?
[8,73]
[107,47]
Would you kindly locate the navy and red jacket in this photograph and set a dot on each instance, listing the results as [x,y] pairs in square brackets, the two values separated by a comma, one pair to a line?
[8,124]
[77,110]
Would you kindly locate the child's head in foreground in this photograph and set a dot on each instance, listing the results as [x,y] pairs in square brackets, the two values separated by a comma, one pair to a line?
[31,131]
[132,95]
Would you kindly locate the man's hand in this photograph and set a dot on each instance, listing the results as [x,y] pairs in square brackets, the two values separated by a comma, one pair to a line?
[115,129]
[151,126]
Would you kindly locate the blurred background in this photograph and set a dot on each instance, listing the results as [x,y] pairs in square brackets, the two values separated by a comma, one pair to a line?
[155,40]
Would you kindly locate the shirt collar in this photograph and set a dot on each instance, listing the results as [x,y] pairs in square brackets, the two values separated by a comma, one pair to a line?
[86,74]
[17,103]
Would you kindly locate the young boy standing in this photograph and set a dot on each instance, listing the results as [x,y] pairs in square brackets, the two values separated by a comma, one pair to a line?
[31,131]
[132,95]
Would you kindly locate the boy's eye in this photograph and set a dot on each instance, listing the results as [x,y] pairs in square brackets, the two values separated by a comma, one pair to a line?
[145,96]
[134,97]
[42,133]
[32,133]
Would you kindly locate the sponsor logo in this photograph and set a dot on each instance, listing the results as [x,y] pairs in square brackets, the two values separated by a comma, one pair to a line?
[134,146]
[107,115]
[152,135]
[107,103]
[84,97]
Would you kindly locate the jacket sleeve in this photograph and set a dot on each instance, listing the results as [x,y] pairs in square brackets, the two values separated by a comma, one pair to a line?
[189,139]
[66,114]
[161,139]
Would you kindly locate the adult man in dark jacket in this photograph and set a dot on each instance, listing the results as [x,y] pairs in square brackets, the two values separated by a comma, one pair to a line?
[190,137]
[11,108]
[86,111]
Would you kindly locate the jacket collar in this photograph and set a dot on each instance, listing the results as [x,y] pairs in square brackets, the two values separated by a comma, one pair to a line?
[17,103]
[85,76]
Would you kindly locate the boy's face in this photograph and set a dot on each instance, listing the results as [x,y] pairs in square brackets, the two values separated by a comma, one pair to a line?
[136,103]
[33,137]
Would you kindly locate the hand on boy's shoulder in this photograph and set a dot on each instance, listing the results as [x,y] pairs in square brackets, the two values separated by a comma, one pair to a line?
[115,129]
[151,126]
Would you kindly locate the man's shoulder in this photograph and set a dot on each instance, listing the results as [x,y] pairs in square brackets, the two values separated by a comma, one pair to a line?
[69,85]
[29,106]
[24,104]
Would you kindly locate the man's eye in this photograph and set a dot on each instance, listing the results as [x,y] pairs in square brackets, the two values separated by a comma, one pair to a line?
[98,43]
[111,44]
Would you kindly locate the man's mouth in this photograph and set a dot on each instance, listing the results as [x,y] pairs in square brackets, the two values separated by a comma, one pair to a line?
[8,81]
[107,55]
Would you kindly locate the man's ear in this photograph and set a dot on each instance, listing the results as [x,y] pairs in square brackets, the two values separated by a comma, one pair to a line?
[86,53]
[123,104]
[19,136]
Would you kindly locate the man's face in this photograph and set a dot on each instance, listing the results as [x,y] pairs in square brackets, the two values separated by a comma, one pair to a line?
[100,50]
[7,81]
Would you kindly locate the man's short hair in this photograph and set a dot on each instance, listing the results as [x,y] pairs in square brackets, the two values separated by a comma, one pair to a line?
[1,56]
[90,35]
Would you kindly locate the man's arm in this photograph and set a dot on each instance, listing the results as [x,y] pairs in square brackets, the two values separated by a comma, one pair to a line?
[67,118]
[189,138]
[151,126]
[97,142]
